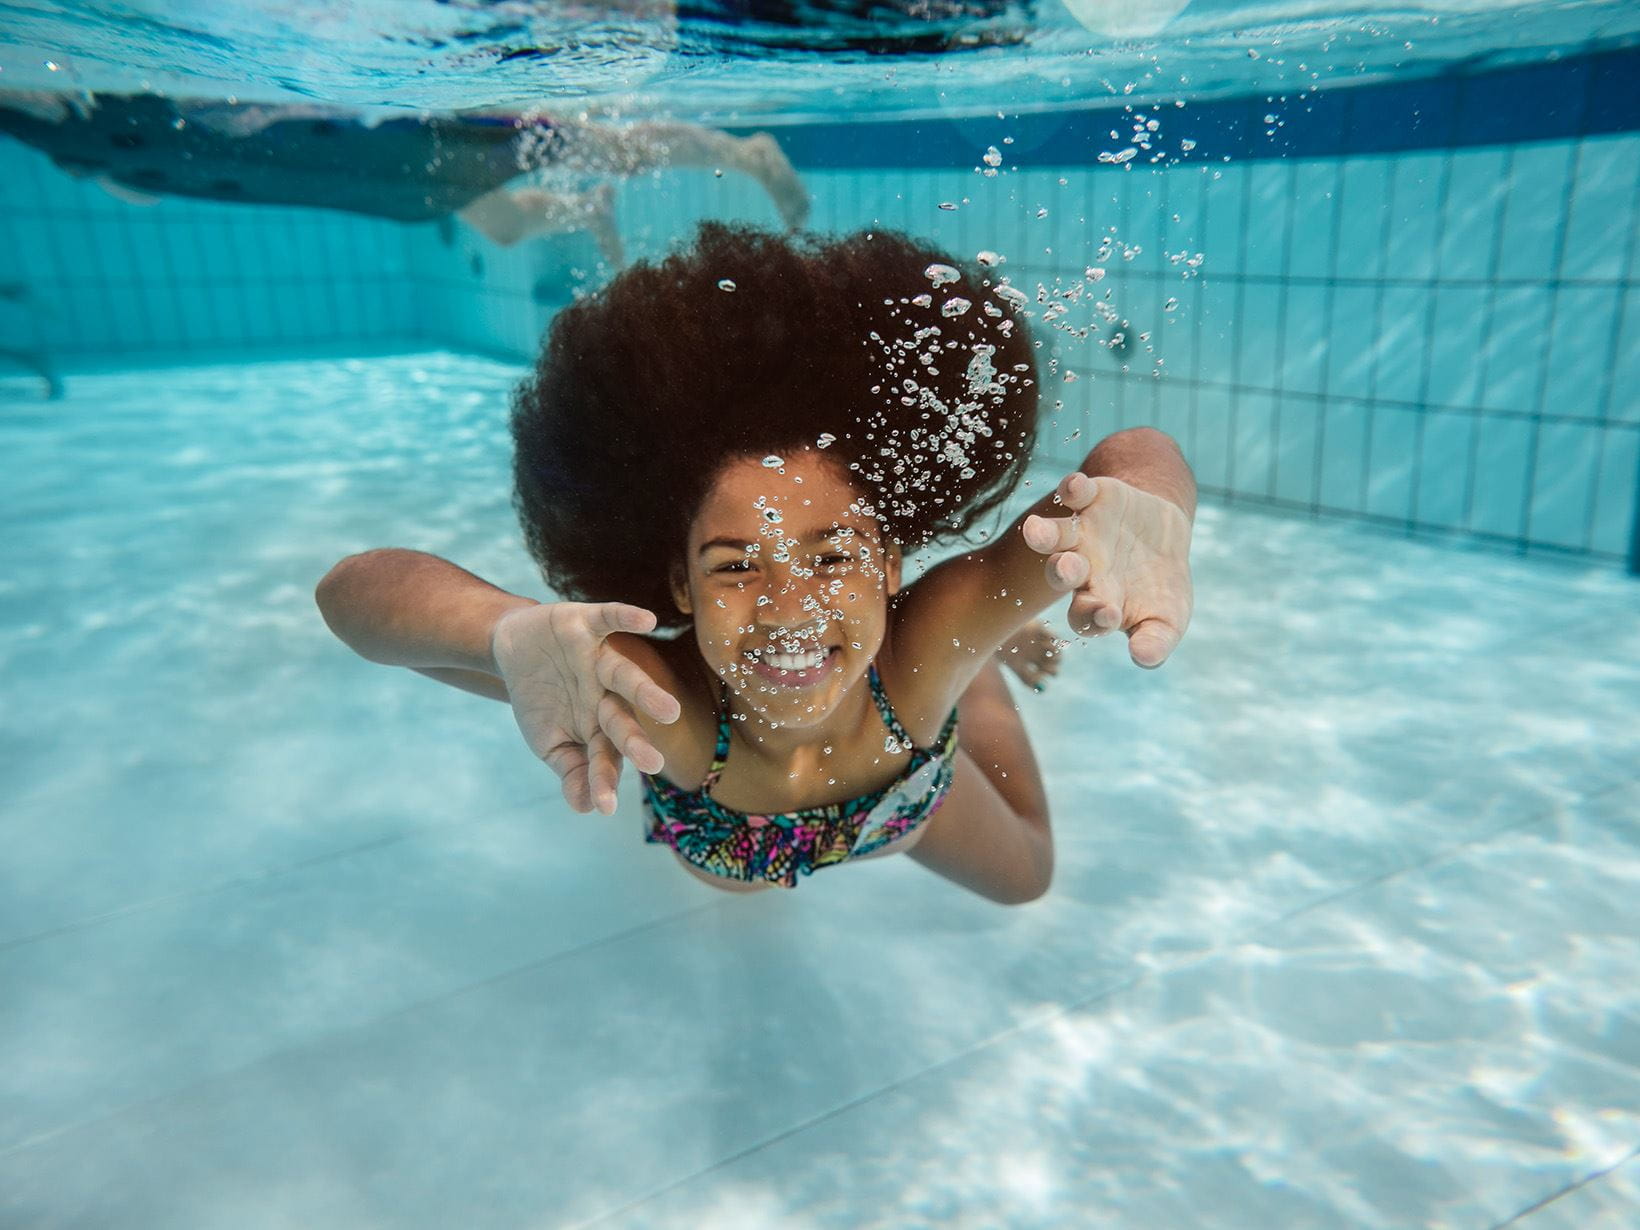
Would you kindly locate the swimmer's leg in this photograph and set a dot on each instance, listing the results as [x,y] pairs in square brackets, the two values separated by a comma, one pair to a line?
[507,216]
[992,834]
[641,148]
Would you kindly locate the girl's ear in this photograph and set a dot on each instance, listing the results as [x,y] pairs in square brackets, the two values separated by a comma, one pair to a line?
[680,592]
[891,566]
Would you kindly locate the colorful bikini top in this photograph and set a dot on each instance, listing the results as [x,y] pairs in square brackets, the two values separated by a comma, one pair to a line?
[778,849]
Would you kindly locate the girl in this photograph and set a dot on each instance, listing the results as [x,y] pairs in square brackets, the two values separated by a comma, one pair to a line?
[739,444]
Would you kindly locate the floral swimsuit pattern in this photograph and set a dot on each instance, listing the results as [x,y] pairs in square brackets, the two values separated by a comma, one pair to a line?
[779,848]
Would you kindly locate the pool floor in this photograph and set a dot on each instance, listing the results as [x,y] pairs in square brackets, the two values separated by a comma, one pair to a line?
[1343,930]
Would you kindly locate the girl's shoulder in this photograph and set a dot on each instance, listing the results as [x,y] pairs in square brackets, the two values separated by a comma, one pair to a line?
[921,699]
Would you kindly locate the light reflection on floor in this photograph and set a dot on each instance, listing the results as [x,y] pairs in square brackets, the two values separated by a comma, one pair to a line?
[1342,935]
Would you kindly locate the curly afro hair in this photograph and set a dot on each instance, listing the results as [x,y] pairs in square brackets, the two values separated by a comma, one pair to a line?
[915,375]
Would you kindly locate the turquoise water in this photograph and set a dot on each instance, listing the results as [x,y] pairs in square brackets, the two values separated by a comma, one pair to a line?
[806,61]
[1342,932]
[1341,935]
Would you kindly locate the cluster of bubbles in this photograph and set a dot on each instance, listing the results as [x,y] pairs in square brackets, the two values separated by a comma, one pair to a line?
[910,461]
[1056,305]
[558,148]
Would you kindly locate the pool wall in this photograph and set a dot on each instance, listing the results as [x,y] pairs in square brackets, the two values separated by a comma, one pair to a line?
[1433,327]
[109,280]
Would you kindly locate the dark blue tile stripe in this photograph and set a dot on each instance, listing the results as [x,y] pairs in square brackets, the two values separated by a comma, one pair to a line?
[1461,108]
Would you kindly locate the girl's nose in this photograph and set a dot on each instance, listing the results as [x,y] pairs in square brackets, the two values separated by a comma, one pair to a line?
[786,601]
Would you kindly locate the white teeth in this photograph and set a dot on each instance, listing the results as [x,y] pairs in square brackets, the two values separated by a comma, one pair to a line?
[795,662]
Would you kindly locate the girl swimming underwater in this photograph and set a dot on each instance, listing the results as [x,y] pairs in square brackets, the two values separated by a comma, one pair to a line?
[740,444]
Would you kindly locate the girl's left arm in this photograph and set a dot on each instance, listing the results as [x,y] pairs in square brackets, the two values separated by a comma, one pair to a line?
[1116,532]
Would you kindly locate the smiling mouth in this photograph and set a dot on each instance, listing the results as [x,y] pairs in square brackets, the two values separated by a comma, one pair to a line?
[793,670]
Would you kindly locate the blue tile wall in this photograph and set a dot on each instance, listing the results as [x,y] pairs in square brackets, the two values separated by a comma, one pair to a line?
[1440,340]
[1411,303]
[110,278]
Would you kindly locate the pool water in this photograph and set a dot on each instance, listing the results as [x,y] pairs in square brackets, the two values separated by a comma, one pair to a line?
[1342,932]
[733,62]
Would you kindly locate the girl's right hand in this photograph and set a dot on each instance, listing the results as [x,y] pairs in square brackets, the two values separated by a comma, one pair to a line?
[573,694]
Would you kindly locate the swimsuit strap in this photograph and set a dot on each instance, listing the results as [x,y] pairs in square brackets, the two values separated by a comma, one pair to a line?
[886,710]
[720,755]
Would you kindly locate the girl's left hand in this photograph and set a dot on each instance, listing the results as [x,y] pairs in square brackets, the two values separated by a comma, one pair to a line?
[1126,555]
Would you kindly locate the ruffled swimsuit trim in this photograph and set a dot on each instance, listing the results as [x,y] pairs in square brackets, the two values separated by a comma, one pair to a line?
[779,848]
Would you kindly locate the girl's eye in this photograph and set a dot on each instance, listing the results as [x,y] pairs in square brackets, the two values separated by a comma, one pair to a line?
[738,566]
[832,561]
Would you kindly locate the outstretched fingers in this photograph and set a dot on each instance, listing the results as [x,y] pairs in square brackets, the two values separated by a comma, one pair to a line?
[569,761]
[619,674]
[1078,551]
[603,772]
[1151,642]
[590,772]
[620,726]
[607,617]
[1096,612]
[1056,537]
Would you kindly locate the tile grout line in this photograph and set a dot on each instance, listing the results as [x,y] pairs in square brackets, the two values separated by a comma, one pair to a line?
[241,881]
[193,1086]
[1048,1015]
[1445,854]
[1061,1011]
[1570,1188]
[244,881]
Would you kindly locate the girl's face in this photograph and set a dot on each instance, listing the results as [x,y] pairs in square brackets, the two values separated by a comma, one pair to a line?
[788,580]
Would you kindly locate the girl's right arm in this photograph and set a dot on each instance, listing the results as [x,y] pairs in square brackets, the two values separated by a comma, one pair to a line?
[572,693]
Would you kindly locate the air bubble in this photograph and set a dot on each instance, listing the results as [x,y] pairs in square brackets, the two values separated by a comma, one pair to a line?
[772,462]
[826,440]
[940,275]
[993,156]
[924,301]
[948,206]
[955,306]
[726,284]
[990,259]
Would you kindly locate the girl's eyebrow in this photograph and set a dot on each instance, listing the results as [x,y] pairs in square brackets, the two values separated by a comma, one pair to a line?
[739,544]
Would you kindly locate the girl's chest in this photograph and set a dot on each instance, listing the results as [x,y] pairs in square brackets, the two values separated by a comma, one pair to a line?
[852,770]
[861,760]
[858,765]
